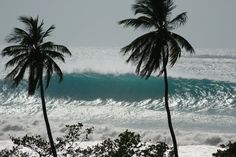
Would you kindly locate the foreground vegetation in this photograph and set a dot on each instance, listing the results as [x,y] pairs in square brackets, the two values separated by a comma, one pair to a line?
[128,144]
[229,150]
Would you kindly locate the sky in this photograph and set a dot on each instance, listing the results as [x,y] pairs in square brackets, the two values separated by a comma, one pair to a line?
[93,23]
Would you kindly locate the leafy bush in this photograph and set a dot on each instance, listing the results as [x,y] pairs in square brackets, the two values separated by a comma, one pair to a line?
[128,144]
[229,150]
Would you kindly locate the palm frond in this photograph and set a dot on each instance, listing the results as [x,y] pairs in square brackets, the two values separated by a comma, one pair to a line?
[54,54]
[179,20]
[174,50]
[49,72]
[137,42]
[34,28]
[58,48]
[48,31]
[62,49]
[19,36]
[17,74]
[169,4]
[16,60]
[140,50]
[14,50]
[159,9]
[140,55]
[175,53]
[10,76]
[142,21]
[183,42]
[145,53]
[148,65]
[140,63]
[58,71]
[56,68]
[153,62]
[28,21]
[141,8]
[151,9]
[46,44]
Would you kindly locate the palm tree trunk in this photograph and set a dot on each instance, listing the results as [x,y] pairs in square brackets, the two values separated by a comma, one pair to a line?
[46,118]
[169,115]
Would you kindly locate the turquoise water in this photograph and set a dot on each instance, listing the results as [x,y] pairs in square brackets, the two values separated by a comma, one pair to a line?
[189,95]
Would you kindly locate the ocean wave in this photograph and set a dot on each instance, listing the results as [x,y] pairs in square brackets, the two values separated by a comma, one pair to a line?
[129,90]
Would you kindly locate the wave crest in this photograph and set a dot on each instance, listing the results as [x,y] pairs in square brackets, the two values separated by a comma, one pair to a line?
[130,90]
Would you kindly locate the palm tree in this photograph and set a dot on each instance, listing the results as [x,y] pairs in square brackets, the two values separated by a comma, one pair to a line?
[153,51]
[34,56]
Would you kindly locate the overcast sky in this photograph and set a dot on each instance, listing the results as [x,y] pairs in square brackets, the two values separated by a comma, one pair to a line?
[211,23]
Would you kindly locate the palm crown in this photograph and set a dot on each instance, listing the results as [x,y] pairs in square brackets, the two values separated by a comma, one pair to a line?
[153,50]
[33,54]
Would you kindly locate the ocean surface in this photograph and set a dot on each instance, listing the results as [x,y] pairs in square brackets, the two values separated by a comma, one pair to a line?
[100,89]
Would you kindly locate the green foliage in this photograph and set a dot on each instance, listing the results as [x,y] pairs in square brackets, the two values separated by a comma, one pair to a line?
[128,144]
[68,144]
[229,150]
[14,152]
[35,143]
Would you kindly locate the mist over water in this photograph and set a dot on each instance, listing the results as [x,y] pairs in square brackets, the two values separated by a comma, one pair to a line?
[100,89]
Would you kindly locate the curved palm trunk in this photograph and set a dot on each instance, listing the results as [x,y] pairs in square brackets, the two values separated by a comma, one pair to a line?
[165,61]
[46,118]
[169,115]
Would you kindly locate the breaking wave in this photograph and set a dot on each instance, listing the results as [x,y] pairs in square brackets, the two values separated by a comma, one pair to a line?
[185,94]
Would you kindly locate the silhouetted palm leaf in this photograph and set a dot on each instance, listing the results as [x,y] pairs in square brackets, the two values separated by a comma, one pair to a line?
[183,42]
[47,33]
[142,21]
[16,60]
[179,20]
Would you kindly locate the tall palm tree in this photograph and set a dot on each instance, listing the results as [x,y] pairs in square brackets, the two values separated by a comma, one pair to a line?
[153,51]
[34,56]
